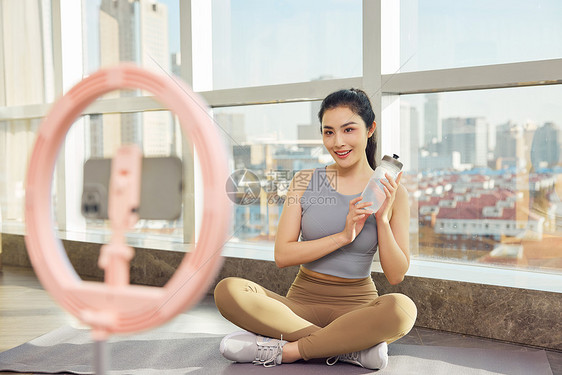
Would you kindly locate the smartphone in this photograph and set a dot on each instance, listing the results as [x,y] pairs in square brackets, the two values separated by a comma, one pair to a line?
[161,188]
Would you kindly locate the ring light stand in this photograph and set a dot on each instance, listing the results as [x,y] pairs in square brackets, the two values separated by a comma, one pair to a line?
[115,306]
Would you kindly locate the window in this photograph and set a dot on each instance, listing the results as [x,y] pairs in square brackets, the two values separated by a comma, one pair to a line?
[16,138]
[466,92]
[26,79]
[438,34]
[27,55]
[157,133]
[141,32]
[256,43]
[271,143]
[496,154]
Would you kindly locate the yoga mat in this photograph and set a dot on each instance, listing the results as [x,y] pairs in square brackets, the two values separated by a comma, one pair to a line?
[70,350]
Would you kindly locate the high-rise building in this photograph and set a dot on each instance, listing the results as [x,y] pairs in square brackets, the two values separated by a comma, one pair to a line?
[431,120]
[311,131]
[308,132]
[314,109]
[510,150]
[136,31]
[508,133]
[469,137]
[409,127]
[233,127]
[176,64]
[545,149]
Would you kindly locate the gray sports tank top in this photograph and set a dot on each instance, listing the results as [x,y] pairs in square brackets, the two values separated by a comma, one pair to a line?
[324,211]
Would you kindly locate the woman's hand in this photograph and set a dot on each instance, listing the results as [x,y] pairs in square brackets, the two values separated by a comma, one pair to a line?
[355,220]
[389,185]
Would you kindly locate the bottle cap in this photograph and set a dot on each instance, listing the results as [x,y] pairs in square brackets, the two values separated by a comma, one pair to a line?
[393,160]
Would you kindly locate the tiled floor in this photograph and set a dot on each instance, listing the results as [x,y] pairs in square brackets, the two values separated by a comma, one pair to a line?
[27,311]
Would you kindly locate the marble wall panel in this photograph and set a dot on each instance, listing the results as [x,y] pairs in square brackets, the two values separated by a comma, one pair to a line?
[13,251]
[517,315]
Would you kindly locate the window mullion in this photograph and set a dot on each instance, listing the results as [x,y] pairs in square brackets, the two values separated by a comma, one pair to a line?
[186,53]
[68,71]
[372,68]
[530,73]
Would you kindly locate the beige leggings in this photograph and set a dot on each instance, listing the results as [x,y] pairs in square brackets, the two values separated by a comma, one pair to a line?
[327,318]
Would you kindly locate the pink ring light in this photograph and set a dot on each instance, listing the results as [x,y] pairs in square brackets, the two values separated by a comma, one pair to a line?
[126,308]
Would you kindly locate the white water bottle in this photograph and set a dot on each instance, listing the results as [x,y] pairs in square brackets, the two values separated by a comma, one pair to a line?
[374,191]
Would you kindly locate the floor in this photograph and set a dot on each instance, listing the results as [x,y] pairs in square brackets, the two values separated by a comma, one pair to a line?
[27,311]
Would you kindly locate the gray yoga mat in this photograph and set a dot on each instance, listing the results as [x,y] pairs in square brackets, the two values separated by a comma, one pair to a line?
[70,350]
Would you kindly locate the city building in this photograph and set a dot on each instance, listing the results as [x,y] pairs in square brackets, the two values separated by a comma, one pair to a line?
[141,27]
[545,148]
[432,127]
[468,137]
[409,143]
[510,151]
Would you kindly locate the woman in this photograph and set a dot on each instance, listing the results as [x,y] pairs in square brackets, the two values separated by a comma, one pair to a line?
[332,309]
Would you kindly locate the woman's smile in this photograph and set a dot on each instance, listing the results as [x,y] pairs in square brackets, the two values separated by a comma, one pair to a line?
[342,154]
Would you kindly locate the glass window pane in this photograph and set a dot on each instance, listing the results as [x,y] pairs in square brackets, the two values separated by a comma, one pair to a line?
[16,143]
[437,34]
[26,54]
[158,134]
[264,42]
[268,144]
[143,32]
[484,171]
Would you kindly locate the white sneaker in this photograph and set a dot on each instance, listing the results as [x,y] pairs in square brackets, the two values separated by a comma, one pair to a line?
[245,346]
[375,358]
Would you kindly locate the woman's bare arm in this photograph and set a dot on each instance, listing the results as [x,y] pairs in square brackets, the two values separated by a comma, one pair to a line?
[394,237]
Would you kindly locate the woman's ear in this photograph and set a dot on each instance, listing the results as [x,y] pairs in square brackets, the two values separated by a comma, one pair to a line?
[372,130]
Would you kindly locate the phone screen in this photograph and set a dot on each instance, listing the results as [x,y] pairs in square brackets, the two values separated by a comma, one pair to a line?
[161,188]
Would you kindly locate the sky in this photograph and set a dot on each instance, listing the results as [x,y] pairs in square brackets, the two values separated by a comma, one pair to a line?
[282,41]
[445,34]
[257,42]
[438,34]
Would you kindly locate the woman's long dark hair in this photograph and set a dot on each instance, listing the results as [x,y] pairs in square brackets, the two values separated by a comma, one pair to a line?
[358,102]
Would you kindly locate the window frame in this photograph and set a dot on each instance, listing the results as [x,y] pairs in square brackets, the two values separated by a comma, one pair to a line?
[386,89]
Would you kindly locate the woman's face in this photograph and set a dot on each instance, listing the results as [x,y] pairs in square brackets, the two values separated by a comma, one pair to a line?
[345,135]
